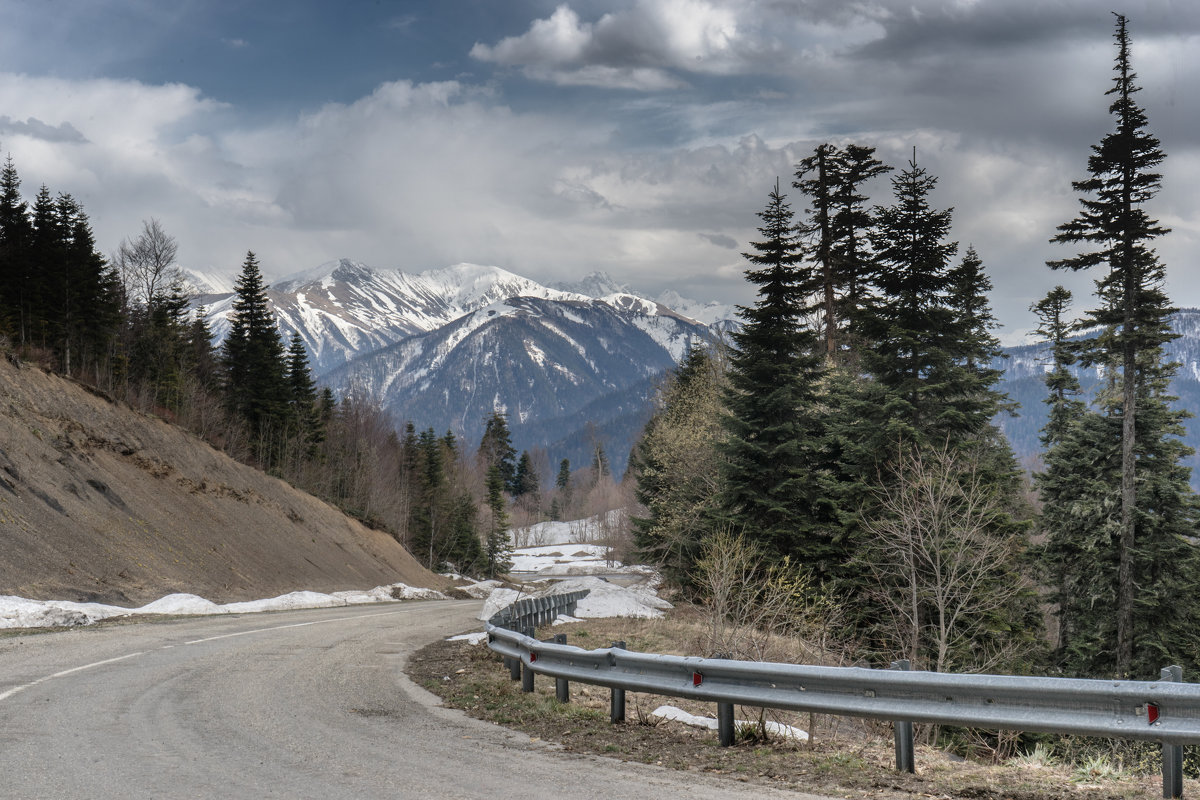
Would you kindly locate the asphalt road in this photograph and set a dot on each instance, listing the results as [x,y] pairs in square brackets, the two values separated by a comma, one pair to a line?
[306,704]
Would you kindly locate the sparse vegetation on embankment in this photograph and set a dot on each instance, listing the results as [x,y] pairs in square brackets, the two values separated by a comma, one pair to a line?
[845,757]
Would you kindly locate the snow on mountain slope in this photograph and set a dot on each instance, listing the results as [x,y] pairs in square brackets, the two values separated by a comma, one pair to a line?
[534,358]
[345,309]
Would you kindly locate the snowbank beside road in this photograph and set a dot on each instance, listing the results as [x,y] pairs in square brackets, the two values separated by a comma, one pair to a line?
[18,612]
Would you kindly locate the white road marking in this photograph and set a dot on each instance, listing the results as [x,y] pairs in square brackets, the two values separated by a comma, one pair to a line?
[9,693]
[17,689]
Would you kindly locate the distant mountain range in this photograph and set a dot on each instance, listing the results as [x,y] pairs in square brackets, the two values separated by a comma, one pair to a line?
[571,364]
[1025,367]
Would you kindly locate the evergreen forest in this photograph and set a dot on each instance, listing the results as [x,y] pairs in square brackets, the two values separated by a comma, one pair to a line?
[846,434]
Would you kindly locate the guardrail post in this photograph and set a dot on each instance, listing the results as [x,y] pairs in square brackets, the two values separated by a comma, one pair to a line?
[903,731]
[526,672]
[1172,754]
[514,667]
[616,709]
[725,724]
[562,690]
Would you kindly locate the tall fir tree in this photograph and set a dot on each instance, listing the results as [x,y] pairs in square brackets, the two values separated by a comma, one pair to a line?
[839,227]
[1155,504]
[256,389]
[911,331]
[16,234]
[525,480]
[496,450]
[498,546]
[775,485]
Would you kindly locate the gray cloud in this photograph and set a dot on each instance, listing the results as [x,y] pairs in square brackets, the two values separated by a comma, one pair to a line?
[720,240]
[35,128]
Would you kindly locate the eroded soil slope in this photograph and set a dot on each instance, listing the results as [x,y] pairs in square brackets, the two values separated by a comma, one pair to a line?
[98,502]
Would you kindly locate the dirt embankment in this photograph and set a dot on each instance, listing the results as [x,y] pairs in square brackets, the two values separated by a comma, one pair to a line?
[101,503]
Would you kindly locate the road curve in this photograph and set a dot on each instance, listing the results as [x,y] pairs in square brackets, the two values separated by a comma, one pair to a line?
[306,704]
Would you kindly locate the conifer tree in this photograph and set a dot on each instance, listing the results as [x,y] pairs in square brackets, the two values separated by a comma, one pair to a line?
[1133,320]
[16,234]
[202,356]
[852,225]
[256,388]
[911,331]
[525,481]
[302,390]
[974,349]
[431,510]
[496,450]
[839,225]
[498,547]
[775,486]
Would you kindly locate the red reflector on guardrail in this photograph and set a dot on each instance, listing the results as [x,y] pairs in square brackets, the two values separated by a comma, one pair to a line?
[1151,713]
[532,656]
[697,679]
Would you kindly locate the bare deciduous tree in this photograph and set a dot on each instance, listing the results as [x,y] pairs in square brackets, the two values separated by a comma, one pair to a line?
[944,557]
[147,264]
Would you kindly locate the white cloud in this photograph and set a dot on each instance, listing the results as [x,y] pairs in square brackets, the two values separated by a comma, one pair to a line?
[637,48]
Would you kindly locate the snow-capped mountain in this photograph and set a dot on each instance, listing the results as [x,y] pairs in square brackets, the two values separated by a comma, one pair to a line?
[1025,367]
[603,286]
[446,347]
[344,309]
[536,359]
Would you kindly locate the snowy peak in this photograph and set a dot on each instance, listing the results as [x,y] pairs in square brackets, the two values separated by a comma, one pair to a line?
[596,285]
[471,286]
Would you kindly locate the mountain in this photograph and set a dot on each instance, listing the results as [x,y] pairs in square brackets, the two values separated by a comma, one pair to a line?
[343,309]
[1025,365]
[563,370]
[602,286]
[570,364]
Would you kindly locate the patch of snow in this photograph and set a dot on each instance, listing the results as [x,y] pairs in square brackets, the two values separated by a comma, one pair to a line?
[18,612]
[497,599]
[481,589]
[470,638]
[675,714]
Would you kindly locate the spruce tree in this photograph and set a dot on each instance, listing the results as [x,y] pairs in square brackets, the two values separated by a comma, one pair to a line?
[431,510]
[525,480]
[911,331]
[839,227]
[16,234]
[1133,318]
[775,486]
[676,467]
[496,450]
[256,389]
[498,546]
[852,225]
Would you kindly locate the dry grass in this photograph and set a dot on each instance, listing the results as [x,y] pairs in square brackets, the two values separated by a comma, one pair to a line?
[845,757]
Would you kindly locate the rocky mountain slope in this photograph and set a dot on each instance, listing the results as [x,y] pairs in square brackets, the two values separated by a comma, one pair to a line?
[100,503]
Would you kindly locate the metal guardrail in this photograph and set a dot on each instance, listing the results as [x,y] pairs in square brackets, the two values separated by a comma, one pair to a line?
[1165,710]
[533,612]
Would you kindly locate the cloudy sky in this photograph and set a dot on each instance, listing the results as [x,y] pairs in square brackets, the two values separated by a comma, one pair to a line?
[638,137]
